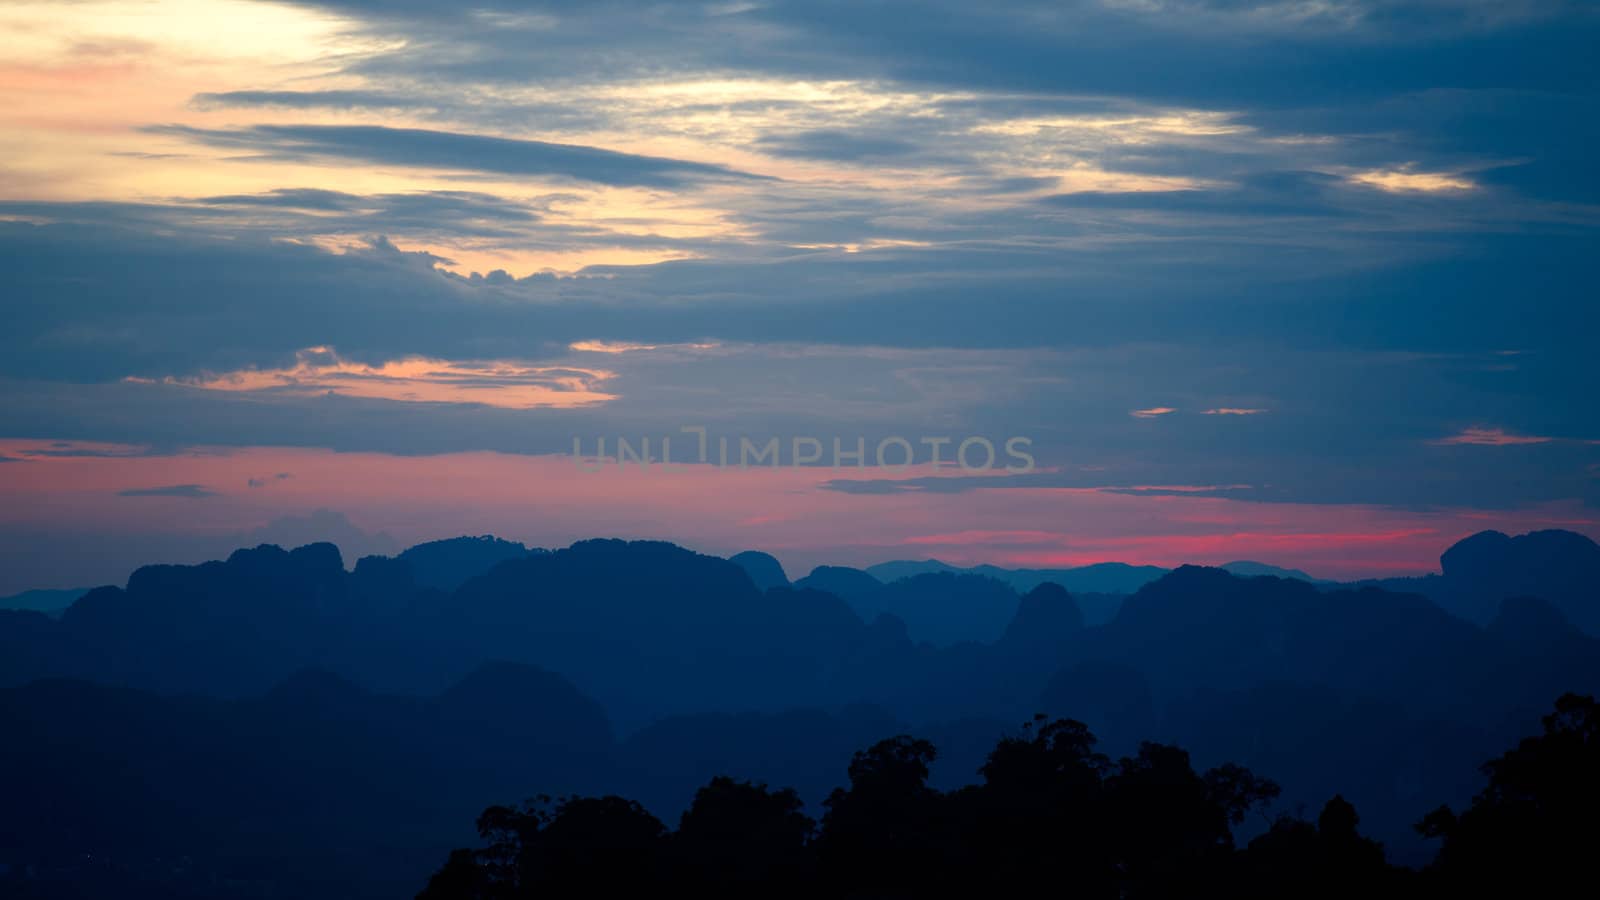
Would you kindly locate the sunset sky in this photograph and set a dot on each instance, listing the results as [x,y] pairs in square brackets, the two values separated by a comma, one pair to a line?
[1310,282]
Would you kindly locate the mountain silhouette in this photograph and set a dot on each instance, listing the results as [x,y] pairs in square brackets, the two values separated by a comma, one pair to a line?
[1097,578]
[944,608]
[1046,618]
[1560,567]
[448,564]
[45,601]
[763,569]
[317,788]
[853,585]
[644,669]
[1249,569]
[1478,572]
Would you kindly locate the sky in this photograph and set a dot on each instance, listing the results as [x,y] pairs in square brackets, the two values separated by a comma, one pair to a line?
[1307,282]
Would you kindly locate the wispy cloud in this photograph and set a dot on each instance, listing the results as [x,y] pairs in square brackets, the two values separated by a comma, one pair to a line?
[1052,231]
[616,347]
[333,99]
[1491,437]
[1012,538]
[188,491]
[320,370]
[420,148]
[1407,181]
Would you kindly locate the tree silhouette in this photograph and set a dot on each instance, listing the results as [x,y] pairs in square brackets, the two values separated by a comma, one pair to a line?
[1295,858]
[884,835]
[1534,828]
[1170,825]
[600,846]
[1041,799]
[1049,806]
[1052,810]
[738,836]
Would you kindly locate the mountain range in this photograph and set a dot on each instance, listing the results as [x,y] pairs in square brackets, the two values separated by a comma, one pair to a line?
[280,721]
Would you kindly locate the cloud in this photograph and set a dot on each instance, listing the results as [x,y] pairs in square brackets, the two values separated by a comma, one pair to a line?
[1236,491]
[449,212]
[1479,436]
[836,144]
[419,148]
[264,301]
[78,450]
[1246,196]
[1068,483]
[976,221]
[1402,181]
[1281,52]
[508,384]
[333,99]
[1007,538]
[313,199]
[986,340]
[870,486]
[189,491]
[614,347]
[982,221]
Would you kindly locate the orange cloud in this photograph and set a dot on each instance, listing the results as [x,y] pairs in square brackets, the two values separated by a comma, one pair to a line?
[417,379]
[1396,181]
[614,347]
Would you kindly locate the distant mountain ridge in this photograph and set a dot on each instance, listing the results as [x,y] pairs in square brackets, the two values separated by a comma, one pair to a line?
[449,563]
[1552,561]
[45,601]
[1098,578]
[1250,569]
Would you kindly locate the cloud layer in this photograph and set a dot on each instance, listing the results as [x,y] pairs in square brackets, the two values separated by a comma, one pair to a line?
[1269,252]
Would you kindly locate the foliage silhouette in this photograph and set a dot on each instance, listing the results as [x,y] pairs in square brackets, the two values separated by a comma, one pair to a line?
[739,838]
[1534,828]
[1049,804]
[1328,859]
[1050,809]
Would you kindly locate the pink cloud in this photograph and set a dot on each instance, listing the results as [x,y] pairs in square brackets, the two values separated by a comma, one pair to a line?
[1491,437]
